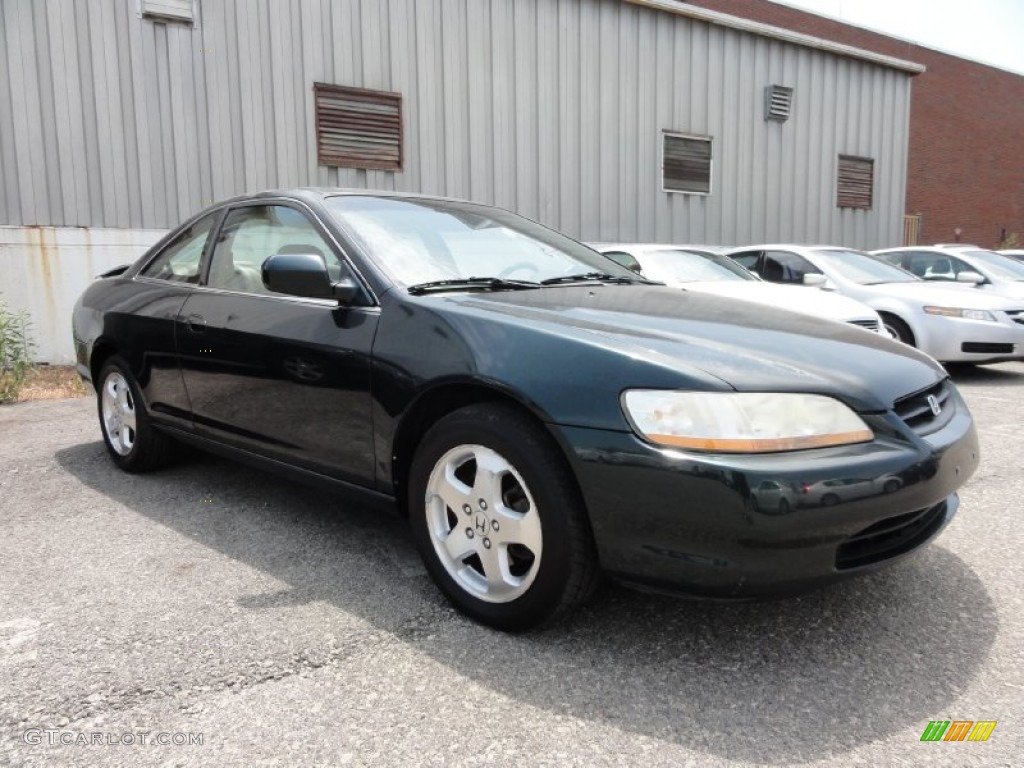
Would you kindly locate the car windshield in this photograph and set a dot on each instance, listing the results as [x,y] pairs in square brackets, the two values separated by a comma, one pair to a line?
[675,265]
[424,241]
[998,265]
[863,269]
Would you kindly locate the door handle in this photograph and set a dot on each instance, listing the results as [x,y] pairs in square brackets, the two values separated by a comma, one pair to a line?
[196,323]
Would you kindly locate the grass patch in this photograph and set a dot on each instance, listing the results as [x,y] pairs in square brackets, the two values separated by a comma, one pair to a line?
[51,382]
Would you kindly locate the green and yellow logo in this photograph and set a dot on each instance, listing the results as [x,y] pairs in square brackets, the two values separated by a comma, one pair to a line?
[958,730]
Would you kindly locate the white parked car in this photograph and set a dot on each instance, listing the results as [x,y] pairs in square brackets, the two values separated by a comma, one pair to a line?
[1013,253]
[946,321]
[987,271]
[700,268]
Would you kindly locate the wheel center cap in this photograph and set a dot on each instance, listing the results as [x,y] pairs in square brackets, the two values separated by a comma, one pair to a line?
[480,523]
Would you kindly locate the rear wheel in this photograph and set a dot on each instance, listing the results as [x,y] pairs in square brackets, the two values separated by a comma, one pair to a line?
[132,442]
[898,329]
[498,519]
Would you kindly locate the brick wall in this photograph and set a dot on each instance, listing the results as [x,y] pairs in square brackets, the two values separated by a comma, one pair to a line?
[966,165]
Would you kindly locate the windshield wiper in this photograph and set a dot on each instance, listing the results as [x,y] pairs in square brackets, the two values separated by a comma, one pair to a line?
[480,283]
[588,277]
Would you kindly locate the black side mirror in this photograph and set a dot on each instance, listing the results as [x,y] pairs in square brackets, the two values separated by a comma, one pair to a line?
[305,274]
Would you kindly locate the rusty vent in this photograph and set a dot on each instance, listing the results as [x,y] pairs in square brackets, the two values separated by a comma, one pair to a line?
[686,164]
[856,180]
[778,103]
[358,128]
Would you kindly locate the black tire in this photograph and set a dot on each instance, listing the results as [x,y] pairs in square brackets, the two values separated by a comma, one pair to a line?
[149,448]
[829,499]
[783,506]
[898,328]
[567,568]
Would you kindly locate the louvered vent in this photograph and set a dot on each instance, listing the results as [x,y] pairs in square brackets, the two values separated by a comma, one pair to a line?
[856,181]
[164,10]
[778,103]
[686,164]
[357,128]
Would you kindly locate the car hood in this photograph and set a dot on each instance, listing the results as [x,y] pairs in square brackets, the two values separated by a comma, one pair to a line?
[796,298]
[1006,289]
[746,346]
[947,295]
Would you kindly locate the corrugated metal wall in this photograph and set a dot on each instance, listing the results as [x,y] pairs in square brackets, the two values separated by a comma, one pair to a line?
[553,108]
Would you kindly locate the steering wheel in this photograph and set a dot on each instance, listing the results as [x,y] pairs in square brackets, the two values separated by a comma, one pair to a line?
[518,266]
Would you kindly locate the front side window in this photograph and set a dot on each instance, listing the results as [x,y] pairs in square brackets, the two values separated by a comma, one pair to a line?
[786,267]
[179,261]
[251,235]
[937,266]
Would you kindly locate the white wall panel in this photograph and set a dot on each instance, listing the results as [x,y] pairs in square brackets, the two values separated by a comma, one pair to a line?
[554,108]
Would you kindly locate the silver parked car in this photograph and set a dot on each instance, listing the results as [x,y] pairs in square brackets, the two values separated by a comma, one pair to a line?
[701,268]
[987,271]
[946,321]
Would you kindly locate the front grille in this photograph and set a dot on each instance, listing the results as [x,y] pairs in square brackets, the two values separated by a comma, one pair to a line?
[986,348]
[889,538]
[871,325]
[916,409]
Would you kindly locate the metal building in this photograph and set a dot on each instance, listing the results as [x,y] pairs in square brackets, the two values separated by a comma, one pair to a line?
[647,120]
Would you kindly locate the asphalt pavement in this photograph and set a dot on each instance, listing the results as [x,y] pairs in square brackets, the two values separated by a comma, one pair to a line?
[246,620]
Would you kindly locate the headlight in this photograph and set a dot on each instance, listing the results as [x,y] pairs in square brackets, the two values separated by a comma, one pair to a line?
[967,314]
[742,422]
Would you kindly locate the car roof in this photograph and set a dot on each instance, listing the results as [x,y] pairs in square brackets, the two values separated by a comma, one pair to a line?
[940,247]
[656,246]
[788,247]
[318,194]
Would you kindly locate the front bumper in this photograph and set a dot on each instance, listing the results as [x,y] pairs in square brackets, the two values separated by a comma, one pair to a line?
[743,526]
[955,340]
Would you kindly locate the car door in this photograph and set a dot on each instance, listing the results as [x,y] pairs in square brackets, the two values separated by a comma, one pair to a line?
[282,376]
[147,327]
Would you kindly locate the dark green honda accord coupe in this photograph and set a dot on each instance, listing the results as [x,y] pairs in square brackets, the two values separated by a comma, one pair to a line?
[542,415]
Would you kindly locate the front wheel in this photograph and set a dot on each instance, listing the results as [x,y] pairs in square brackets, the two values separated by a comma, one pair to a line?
[132,442]
[498,519]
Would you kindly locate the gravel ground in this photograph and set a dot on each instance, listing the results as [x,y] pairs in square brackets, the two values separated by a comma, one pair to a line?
[282,628]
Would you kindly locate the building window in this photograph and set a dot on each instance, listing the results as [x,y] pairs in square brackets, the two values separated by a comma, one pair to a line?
[167,10]
[357,128]
[686,163]
[855,182]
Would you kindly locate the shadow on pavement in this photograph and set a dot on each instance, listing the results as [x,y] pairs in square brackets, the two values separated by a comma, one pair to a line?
[774,682]
[1002,375]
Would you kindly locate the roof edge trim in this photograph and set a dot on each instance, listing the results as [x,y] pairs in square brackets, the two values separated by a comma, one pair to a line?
[779,33]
